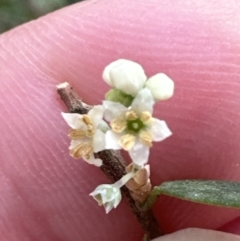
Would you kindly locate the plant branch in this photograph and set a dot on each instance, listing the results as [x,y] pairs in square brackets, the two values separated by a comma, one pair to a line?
[113,164]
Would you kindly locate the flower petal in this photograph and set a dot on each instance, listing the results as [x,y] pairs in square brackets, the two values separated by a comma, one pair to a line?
[159,130]
[103,126]
[74,120]
[139,154]
[112,140]
[93,161]
[117,200]
[98,141]
[108,207]
[113,110]
[96,114]
[143,101]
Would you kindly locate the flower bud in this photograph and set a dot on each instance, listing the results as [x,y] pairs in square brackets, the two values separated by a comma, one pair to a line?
[140,185]
[125,75]
[161,86]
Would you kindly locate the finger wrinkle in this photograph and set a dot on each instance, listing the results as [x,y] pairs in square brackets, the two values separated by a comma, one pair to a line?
[13,209]
[199,235]
[35,193]
[181,218]
[142,37]
[32,128]
[221,68]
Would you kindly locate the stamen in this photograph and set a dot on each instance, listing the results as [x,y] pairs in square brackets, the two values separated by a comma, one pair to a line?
[127,141]
[145,116]
[146,138]
[76,134]
[131,115]
[86,119]
[82,150]
[90,133]
[118,125]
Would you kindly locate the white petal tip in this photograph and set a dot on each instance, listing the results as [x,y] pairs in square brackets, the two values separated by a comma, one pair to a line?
[159,130]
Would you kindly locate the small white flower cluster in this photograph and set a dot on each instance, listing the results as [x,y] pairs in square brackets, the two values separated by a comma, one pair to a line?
[123,121]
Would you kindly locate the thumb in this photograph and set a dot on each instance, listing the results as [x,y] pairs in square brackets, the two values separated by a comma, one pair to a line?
[45,192]
[198,235]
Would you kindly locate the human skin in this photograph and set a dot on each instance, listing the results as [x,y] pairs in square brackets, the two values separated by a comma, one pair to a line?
[43,191]
[194,234]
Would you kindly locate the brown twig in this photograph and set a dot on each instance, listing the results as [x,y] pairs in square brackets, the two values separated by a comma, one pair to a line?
[113,164]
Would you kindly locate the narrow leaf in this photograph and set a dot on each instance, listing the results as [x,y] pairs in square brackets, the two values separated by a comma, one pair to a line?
[216,193]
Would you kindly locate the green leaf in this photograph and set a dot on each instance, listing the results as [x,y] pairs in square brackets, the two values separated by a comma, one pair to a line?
[216,193]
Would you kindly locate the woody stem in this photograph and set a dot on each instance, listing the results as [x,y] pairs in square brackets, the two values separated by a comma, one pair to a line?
[113,165]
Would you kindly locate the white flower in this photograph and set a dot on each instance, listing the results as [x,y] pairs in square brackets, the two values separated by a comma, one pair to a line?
[134,129]
[125,75]
[161,86]
[86,134]
[129,77]
[107,195]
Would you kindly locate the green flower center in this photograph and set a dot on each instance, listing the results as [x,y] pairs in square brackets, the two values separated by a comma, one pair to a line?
[135,125]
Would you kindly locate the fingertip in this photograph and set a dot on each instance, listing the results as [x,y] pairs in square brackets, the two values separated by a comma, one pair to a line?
[198,235]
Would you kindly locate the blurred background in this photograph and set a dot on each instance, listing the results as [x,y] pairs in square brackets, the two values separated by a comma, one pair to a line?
[16,12]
